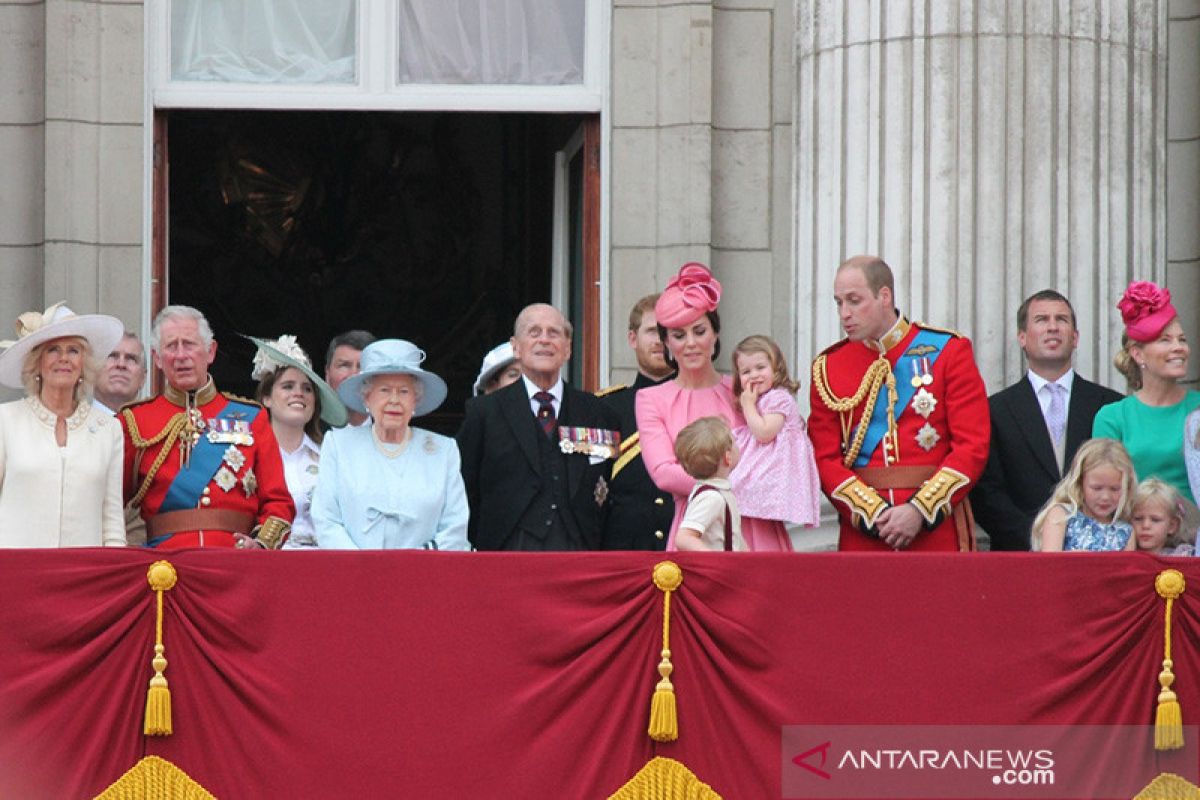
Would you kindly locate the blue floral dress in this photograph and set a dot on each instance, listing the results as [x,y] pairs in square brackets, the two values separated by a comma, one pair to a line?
[1085,533]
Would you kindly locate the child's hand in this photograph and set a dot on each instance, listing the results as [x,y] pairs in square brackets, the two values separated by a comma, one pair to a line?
[750,395]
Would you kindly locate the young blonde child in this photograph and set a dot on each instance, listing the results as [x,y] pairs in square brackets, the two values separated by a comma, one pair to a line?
[776,478]
[706,451]
[1159,519]
[1090,507]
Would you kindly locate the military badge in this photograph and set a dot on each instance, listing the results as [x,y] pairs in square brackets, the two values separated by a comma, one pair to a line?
[234,458]
[597,442]
[928,437]
[924,403]
[225,430]
[225,479]
[601,492]
[922,372]
[921,350]
[250,483]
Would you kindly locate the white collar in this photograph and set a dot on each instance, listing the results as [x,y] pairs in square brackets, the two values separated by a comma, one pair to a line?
[556,391]
[1066,380]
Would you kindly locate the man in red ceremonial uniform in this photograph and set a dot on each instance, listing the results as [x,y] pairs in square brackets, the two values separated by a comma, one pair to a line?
[899,421]
[202,467]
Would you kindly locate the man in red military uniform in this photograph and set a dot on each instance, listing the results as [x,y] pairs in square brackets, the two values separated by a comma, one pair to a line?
[203,468]
[899,421]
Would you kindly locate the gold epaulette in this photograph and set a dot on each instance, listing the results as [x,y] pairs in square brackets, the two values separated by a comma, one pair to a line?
[951,331]
[937,493]
[240,399]
[616,387]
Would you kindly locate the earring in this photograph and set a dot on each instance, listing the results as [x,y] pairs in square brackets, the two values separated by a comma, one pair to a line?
[79,381]
[1141,365]
[37,378]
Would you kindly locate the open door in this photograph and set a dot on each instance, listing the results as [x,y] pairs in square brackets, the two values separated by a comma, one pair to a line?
[575,273]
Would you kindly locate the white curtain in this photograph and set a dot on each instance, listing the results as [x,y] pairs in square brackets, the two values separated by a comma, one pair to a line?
[263,41]
[491,41]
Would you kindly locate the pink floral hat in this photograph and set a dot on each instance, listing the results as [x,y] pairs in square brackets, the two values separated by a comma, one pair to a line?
[1146,309]
[689,295]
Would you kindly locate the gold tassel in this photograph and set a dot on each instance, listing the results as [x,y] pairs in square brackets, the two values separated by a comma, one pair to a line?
[664,720]
[1168,720]
[158,698]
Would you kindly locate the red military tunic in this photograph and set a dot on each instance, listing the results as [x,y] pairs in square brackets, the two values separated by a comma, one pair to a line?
[248,478]
[931,455]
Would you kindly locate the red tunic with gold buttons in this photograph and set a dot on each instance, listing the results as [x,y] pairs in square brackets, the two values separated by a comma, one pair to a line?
[933,447]
[248,477]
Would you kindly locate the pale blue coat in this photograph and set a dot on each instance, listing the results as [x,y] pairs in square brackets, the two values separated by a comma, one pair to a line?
[366,501]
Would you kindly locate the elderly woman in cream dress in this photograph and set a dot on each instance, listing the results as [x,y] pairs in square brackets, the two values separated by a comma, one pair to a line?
[60,459]
[388,485]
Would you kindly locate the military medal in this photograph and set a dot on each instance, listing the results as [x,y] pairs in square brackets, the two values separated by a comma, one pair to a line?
[924,403]
[922,375]
[249,482]
[234,458]
[597,442]
[225,479]
[928,437]
[226,430]
[601,492]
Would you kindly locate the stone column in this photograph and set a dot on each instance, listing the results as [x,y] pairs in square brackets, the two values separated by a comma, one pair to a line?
[985,150]
[22,127]
[93,166]
[701,159]
[1183,166]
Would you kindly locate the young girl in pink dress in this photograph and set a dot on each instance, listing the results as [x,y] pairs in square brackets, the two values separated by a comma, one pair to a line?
[776,478]
[689,327]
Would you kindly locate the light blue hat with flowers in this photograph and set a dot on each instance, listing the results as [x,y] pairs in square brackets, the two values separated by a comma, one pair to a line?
[393,357]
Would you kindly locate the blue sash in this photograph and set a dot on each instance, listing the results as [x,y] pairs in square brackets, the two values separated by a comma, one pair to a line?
[189,483]
[878,426]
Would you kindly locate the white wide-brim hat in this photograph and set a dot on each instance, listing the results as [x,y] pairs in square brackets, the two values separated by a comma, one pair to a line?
[284,352]
[497,359]
[393,357]
[102,332]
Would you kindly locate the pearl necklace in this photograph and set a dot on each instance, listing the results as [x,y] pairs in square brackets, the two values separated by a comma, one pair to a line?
[392,449]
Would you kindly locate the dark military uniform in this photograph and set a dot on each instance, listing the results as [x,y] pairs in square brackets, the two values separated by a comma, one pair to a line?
[640,513]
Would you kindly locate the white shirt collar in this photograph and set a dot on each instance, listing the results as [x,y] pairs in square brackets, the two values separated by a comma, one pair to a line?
[1066,380]
[556,391]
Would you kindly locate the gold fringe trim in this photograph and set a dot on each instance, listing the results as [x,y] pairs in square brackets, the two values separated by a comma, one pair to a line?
[1169,786]
[1168,719]
[665,779]
[664,720]
[154,778]
[162,577]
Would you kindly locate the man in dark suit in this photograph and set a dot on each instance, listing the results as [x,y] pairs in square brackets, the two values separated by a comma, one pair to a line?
[536,455]
[640,514]
[1037,423]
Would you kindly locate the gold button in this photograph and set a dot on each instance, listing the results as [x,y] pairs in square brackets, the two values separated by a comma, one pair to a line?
[207,490]
[205,501]
[658,534]
[658,501]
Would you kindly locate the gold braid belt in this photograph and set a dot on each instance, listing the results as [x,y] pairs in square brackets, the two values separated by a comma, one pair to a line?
[879,373]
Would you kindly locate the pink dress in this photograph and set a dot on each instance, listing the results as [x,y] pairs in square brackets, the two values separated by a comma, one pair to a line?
[663,411]
[778,479]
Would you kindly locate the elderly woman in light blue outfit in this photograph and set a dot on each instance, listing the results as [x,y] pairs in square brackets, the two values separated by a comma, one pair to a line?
[386,484]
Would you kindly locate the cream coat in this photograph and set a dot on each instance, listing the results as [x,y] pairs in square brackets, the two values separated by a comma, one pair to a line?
[51,497]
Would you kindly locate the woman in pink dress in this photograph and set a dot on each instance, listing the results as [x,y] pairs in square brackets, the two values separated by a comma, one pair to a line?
[690,328]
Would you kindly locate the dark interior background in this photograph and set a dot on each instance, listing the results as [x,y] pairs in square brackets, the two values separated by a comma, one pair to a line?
[432,227]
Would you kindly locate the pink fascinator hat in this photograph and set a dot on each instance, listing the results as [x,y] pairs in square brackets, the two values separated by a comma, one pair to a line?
[1146,309]
[689,295]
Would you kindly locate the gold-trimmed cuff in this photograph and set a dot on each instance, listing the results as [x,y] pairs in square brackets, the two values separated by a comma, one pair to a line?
[936,494]
[273,533]
[862,500]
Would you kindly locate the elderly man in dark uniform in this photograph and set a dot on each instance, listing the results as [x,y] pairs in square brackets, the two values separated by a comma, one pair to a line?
[640,513]
[202,467]
[899,421]
[536,454]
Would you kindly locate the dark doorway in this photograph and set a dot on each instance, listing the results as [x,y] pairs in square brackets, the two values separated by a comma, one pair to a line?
[433,227]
